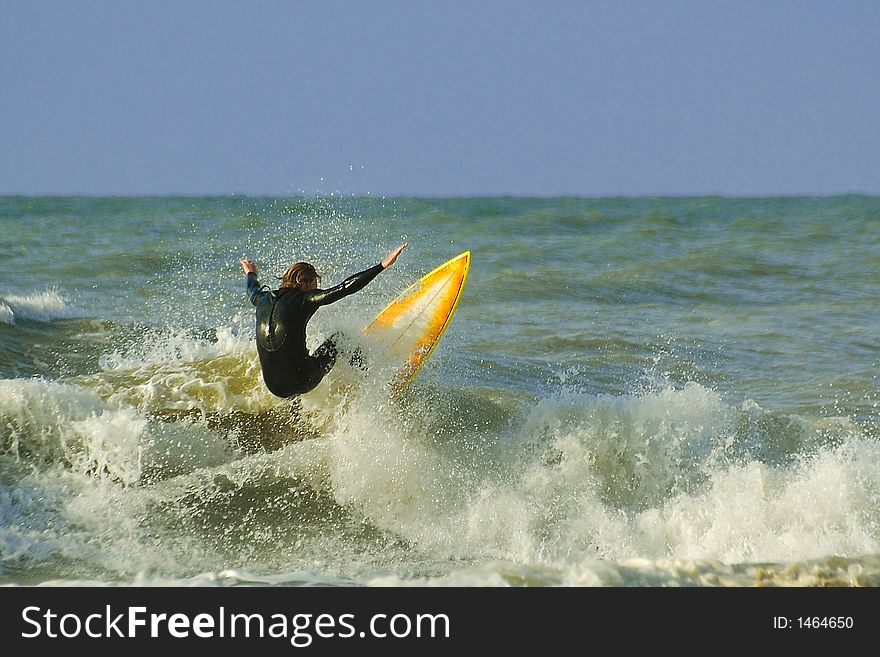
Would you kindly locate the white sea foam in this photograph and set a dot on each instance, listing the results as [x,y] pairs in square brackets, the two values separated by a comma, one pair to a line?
[668,475]
[587,490]
[54,423]
[42,306]
[162,347]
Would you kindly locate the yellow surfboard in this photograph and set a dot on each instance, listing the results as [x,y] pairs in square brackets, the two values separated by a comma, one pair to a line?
[412,325]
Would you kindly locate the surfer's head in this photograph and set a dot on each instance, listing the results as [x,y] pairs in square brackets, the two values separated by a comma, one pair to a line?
[301,276]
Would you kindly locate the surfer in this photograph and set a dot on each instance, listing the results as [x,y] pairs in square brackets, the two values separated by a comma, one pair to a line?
[288,367]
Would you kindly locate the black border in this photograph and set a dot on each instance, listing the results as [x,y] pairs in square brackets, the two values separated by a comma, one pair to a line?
[585,620]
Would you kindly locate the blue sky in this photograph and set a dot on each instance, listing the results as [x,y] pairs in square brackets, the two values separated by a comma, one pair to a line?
[439,98]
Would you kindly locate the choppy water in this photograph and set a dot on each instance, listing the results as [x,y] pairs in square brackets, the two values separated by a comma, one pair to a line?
[634,391]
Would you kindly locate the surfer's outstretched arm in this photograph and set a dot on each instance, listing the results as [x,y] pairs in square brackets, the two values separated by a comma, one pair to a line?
[356,282]
[253,285]
[350,285]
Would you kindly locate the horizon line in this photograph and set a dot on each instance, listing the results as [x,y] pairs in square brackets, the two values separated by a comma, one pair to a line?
[362,195]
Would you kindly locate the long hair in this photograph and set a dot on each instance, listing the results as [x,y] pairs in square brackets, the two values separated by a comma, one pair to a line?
[298,275]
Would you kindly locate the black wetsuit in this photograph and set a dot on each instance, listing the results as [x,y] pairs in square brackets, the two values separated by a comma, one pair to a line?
[288,367]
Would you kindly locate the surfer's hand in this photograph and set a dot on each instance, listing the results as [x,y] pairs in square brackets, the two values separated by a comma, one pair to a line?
[248,266]
[392,256]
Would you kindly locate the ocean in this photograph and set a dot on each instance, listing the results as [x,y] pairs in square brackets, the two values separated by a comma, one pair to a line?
[634,392]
